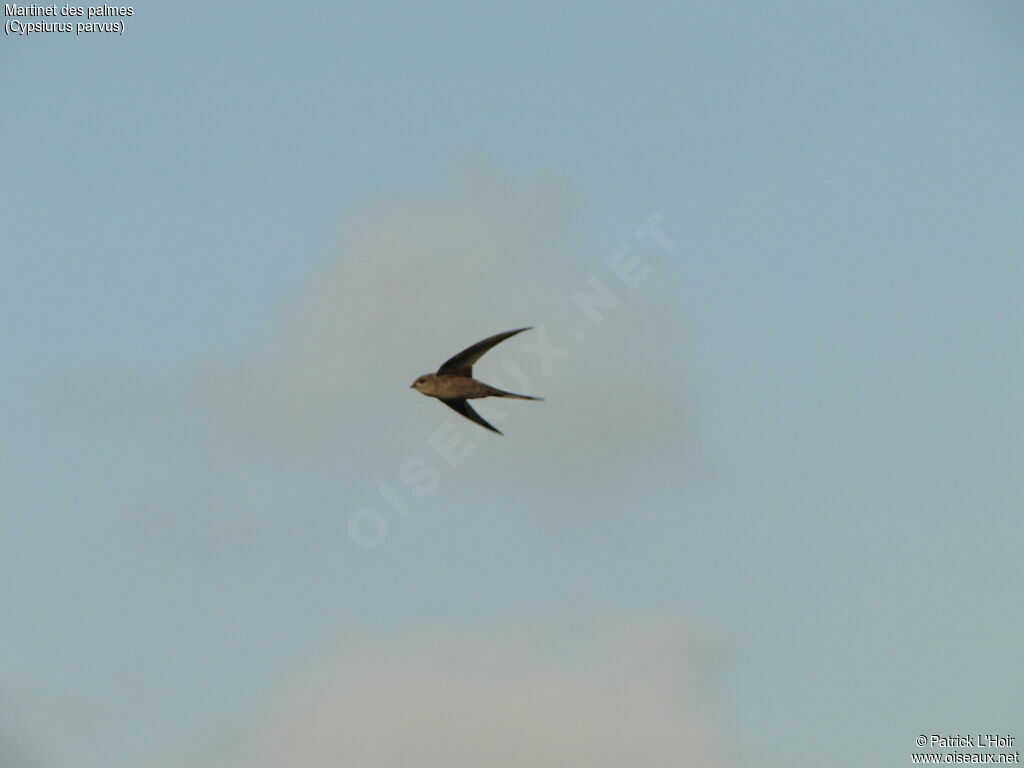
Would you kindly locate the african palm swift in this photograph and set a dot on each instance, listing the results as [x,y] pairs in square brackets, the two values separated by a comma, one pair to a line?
[453,384]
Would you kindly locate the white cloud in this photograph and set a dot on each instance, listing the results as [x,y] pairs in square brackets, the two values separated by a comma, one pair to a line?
[624,693]
[418,279]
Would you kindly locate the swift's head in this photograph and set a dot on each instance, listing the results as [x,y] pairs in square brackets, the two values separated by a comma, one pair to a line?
[424,383]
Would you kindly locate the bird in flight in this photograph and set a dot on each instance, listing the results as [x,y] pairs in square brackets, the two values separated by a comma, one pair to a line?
[454,385]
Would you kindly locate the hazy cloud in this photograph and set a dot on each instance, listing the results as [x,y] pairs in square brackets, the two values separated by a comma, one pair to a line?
[622,693]
[417,279]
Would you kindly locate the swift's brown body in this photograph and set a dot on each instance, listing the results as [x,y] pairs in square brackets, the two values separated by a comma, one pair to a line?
[446,386]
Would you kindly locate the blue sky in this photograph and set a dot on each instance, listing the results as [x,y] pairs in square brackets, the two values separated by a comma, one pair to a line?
[771,502]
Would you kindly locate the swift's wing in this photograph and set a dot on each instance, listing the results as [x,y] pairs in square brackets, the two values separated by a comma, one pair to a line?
[462,406]
[462,363]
